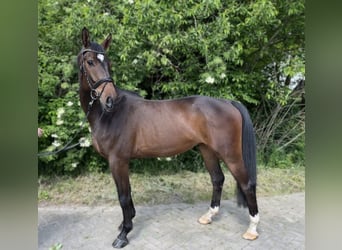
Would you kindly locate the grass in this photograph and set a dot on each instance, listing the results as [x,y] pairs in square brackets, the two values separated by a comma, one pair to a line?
[162,188]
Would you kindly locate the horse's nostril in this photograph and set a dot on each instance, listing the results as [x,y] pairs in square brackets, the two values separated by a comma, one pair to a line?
[109,102]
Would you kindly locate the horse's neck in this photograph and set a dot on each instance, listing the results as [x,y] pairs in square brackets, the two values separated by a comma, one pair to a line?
[92,111]
[84,100]
[95,114]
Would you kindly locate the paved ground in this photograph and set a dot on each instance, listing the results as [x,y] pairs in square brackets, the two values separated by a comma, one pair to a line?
[282,226]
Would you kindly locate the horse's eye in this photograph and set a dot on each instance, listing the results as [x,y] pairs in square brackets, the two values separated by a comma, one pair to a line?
[90,62]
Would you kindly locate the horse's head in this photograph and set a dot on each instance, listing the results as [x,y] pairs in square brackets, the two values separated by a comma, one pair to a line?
[95,72]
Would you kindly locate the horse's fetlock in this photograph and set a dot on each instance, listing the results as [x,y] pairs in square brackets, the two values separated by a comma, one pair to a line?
[127,227]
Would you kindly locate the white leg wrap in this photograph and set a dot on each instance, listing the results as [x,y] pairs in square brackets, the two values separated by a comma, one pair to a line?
[207,217]
[252,233]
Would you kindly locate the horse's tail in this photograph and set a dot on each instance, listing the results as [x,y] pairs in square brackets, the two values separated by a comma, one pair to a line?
[248,152]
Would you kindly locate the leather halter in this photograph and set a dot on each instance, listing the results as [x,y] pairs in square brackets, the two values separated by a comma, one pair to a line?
[94,95]
[93,85]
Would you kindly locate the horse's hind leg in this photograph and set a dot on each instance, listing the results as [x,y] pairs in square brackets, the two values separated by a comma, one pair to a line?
[246,192]
[217,178]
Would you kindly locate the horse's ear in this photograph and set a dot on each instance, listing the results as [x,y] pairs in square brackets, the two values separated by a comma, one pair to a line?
[85,37]
[107,42]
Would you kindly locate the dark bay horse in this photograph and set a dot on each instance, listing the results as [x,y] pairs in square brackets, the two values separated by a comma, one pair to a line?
[125,126]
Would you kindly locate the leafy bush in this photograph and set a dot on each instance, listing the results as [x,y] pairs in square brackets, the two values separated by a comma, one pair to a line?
[248,51]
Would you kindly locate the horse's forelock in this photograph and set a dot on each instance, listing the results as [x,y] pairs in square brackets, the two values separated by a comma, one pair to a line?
[96,47]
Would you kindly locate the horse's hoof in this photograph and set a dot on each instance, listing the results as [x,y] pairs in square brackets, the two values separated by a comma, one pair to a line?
[207,217]
[119,243]
[250,236]
[204,220]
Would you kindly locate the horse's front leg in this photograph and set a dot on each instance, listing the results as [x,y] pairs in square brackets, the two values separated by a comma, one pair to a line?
[120,174]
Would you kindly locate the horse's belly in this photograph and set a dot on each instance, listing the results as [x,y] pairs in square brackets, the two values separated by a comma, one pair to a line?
[164,149]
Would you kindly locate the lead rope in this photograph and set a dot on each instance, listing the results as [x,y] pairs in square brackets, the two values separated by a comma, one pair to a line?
[67,147]
[94,96]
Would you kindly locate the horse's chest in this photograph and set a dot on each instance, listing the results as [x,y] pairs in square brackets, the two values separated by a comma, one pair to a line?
[98,147]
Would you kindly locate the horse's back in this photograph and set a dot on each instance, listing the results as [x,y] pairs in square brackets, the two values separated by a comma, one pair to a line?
[173,126]
[188,111]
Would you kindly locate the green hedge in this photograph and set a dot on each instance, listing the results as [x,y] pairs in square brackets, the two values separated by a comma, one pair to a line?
[244,50]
